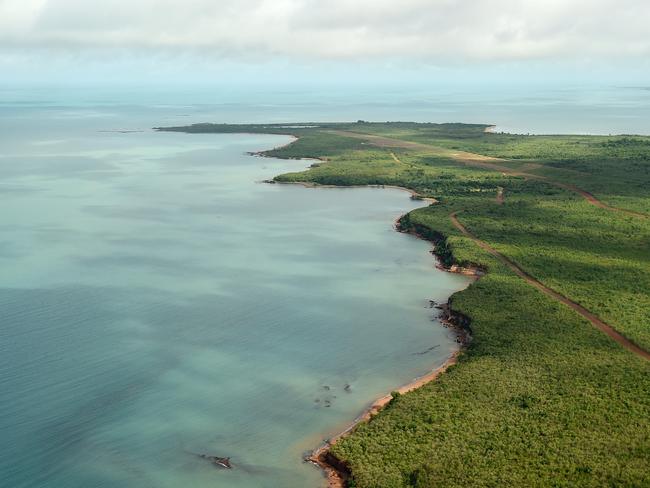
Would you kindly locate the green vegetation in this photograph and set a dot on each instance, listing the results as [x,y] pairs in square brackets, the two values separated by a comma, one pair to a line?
[540,398]
[616,167]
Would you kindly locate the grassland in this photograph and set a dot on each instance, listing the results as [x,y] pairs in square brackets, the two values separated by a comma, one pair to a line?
[540,398]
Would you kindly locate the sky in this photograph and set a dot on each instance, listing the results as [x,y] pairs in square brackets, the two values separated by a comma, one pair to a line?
[357,40]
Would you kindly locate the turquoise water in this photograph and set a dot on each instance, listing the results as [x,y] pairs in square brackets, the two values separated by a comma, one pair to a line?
[157,300]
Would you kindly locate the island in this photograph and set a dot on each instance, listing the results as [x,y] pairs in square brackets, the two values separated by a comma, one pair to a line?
[552,389]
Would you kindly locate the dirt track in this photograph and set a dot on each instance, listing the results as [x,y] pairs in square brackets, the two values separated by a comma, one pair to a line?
[595,321]
[485,162]
[501,197]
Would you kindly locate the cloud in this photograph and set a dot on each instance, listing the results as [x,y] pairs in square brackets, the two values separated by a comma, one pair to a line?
[428,30]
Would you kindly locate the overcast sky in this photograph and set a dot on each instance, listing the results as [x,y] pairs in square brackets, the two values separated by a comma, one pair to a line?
[43,37]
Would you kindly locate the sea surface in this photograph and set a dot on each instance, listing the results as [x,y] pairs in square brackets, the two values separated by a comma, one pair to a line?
[158,301]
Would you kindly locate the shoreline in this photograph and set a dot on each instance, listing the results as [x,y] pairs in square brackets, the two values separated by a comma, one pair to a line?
[335,471]
[282,146]
[307,184]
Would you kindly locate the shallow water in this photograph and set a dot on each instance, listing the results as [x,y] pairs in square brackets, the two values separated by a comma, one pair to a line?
[158,301]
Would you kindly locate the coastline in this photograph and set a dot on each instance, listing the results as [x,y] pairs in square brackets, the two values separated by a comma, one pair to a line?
[281,146]
[337,473]
[264,154]
[307,184]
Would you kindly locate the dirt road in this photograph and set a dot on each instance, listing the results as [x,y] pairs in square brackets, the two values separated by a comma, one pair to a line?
[485,162]
[591,317]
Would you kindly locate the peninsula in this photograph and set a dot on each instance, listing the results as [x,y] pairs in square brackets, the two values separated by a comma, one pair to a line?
[553,388]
